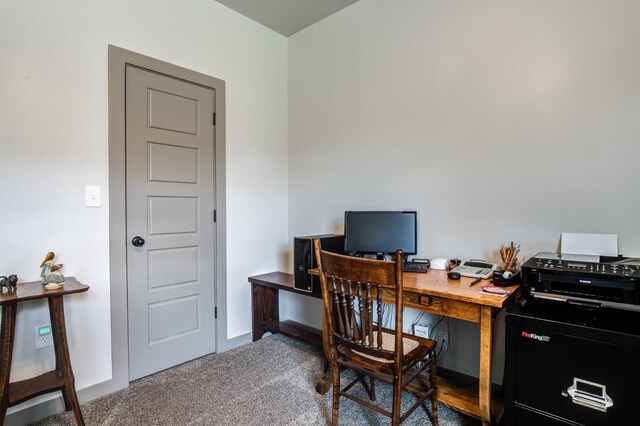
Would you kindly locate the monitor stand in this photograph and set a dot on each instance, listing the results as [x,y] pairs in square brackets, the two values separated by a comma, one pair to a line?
[380,256]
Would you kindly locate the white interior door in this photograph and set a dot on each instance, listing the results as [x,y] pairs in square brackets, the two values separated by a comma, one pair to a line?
[170,221]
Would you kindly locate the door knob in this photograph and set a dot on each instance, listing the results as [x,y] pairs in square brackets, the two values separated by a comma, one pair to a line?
[137,241]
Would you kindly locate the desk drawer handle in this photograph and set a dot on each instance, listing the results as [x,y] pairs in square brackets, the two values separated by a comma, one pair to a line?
[425,300]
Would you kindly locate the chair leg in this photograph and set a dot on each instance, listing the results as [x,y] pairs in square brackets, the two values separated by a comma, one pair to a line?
[336,396]
[397,398]
[372,388]
[433,378]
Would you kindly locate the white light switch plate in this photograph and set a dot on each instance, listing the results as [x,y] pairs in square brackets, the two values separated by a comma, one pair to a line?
[93,196]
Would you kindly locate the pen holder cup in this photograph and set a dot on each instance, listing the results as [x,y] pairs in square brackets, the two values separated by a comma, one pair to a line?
[499,279]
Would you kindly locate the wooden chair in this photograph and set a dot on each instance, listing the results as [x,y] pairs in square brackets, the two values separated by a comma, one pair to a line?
[355,337]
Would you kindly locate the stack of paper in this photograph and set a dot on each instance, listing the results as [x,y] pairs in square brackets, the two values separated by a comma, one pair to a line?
[589,245]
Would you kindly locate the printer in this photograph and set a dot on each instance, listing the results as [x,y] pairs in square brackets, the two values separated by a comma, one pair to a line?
[573,342]
[588,281]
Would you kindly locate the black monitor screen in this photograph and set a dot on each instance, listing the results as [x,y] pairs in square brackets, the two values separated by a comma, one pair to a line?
[379,232]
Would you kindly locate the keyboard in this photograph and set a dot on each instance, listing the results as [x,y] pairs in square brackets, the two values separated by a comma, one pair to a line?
[414,267]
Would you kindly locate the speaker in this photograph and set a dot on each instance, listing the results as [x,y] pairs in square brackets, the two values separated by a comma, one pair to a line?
[304,258]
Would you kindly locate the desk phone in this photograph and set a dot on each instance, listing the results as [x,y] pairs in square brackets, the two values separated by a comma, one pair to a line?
[476,269]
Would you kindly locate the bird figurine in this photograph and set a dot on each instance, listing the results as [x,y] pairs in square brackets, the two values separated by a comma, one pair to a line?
[51,275]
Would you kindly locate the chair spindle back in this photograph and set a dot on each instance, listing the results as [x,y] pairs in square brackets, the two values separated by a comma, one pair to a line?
[351,287]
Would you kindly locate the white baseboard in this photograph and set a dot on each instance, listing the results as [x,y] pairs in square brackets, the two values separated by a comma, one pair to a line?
[234,342]
[55,405]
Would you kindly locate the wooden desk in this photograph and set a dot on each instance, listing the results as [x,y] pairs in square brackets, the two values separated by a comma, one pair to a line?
[61,378]
[432,292]
[265,306]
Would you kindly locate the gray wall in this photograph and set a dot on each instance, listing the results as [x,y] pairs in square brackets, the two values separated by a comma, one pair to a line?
[54,141]
[496,121]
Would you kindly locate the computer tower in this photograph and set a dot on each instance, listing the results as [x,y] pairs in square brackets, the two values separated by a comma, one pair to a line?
[304,259]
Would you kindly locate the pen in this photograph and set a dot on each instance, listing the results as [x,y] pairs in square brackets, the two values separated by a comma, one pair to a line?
[477,280]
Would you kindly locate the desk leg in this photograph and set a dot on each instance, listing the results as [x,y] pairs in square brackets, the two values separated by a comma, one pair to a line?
[486,337]
[7,333]
[63,362]
[264,307]
[324,383]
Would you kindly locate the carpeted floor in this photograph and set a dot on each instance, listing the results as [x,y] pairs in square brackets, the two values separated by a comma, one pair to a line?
[269,382]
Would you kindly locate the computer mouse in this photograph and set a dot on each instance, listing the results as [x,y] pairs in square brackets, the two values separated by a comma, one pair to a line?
[453,275]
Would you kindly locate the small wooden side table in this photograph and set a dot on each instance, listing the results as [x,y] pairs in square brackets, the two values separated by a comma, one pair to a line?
[61,378]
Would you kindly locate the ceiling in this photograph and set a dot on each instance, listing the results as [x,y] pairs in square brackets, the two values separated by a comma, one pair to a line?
[287,16]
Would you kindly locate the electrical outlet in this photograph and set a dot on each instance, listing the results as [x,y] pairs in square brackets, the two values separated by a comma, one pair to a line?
[44,337]
[444,341]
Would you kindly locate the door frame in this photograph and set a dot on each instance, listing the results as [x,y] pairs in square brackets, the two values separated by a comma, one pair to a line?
[118,60]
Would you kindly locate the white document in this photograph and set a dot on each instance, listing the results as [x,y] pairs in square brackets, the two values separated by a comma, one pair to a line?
[592,244]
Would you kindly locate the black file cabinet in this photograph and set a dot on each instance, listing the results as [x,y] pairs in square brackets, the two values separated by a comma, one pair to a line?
[571,367]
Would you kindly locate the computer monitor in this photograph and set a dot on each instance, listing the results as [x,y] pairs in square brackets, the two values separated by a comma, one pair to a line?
[380,232]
